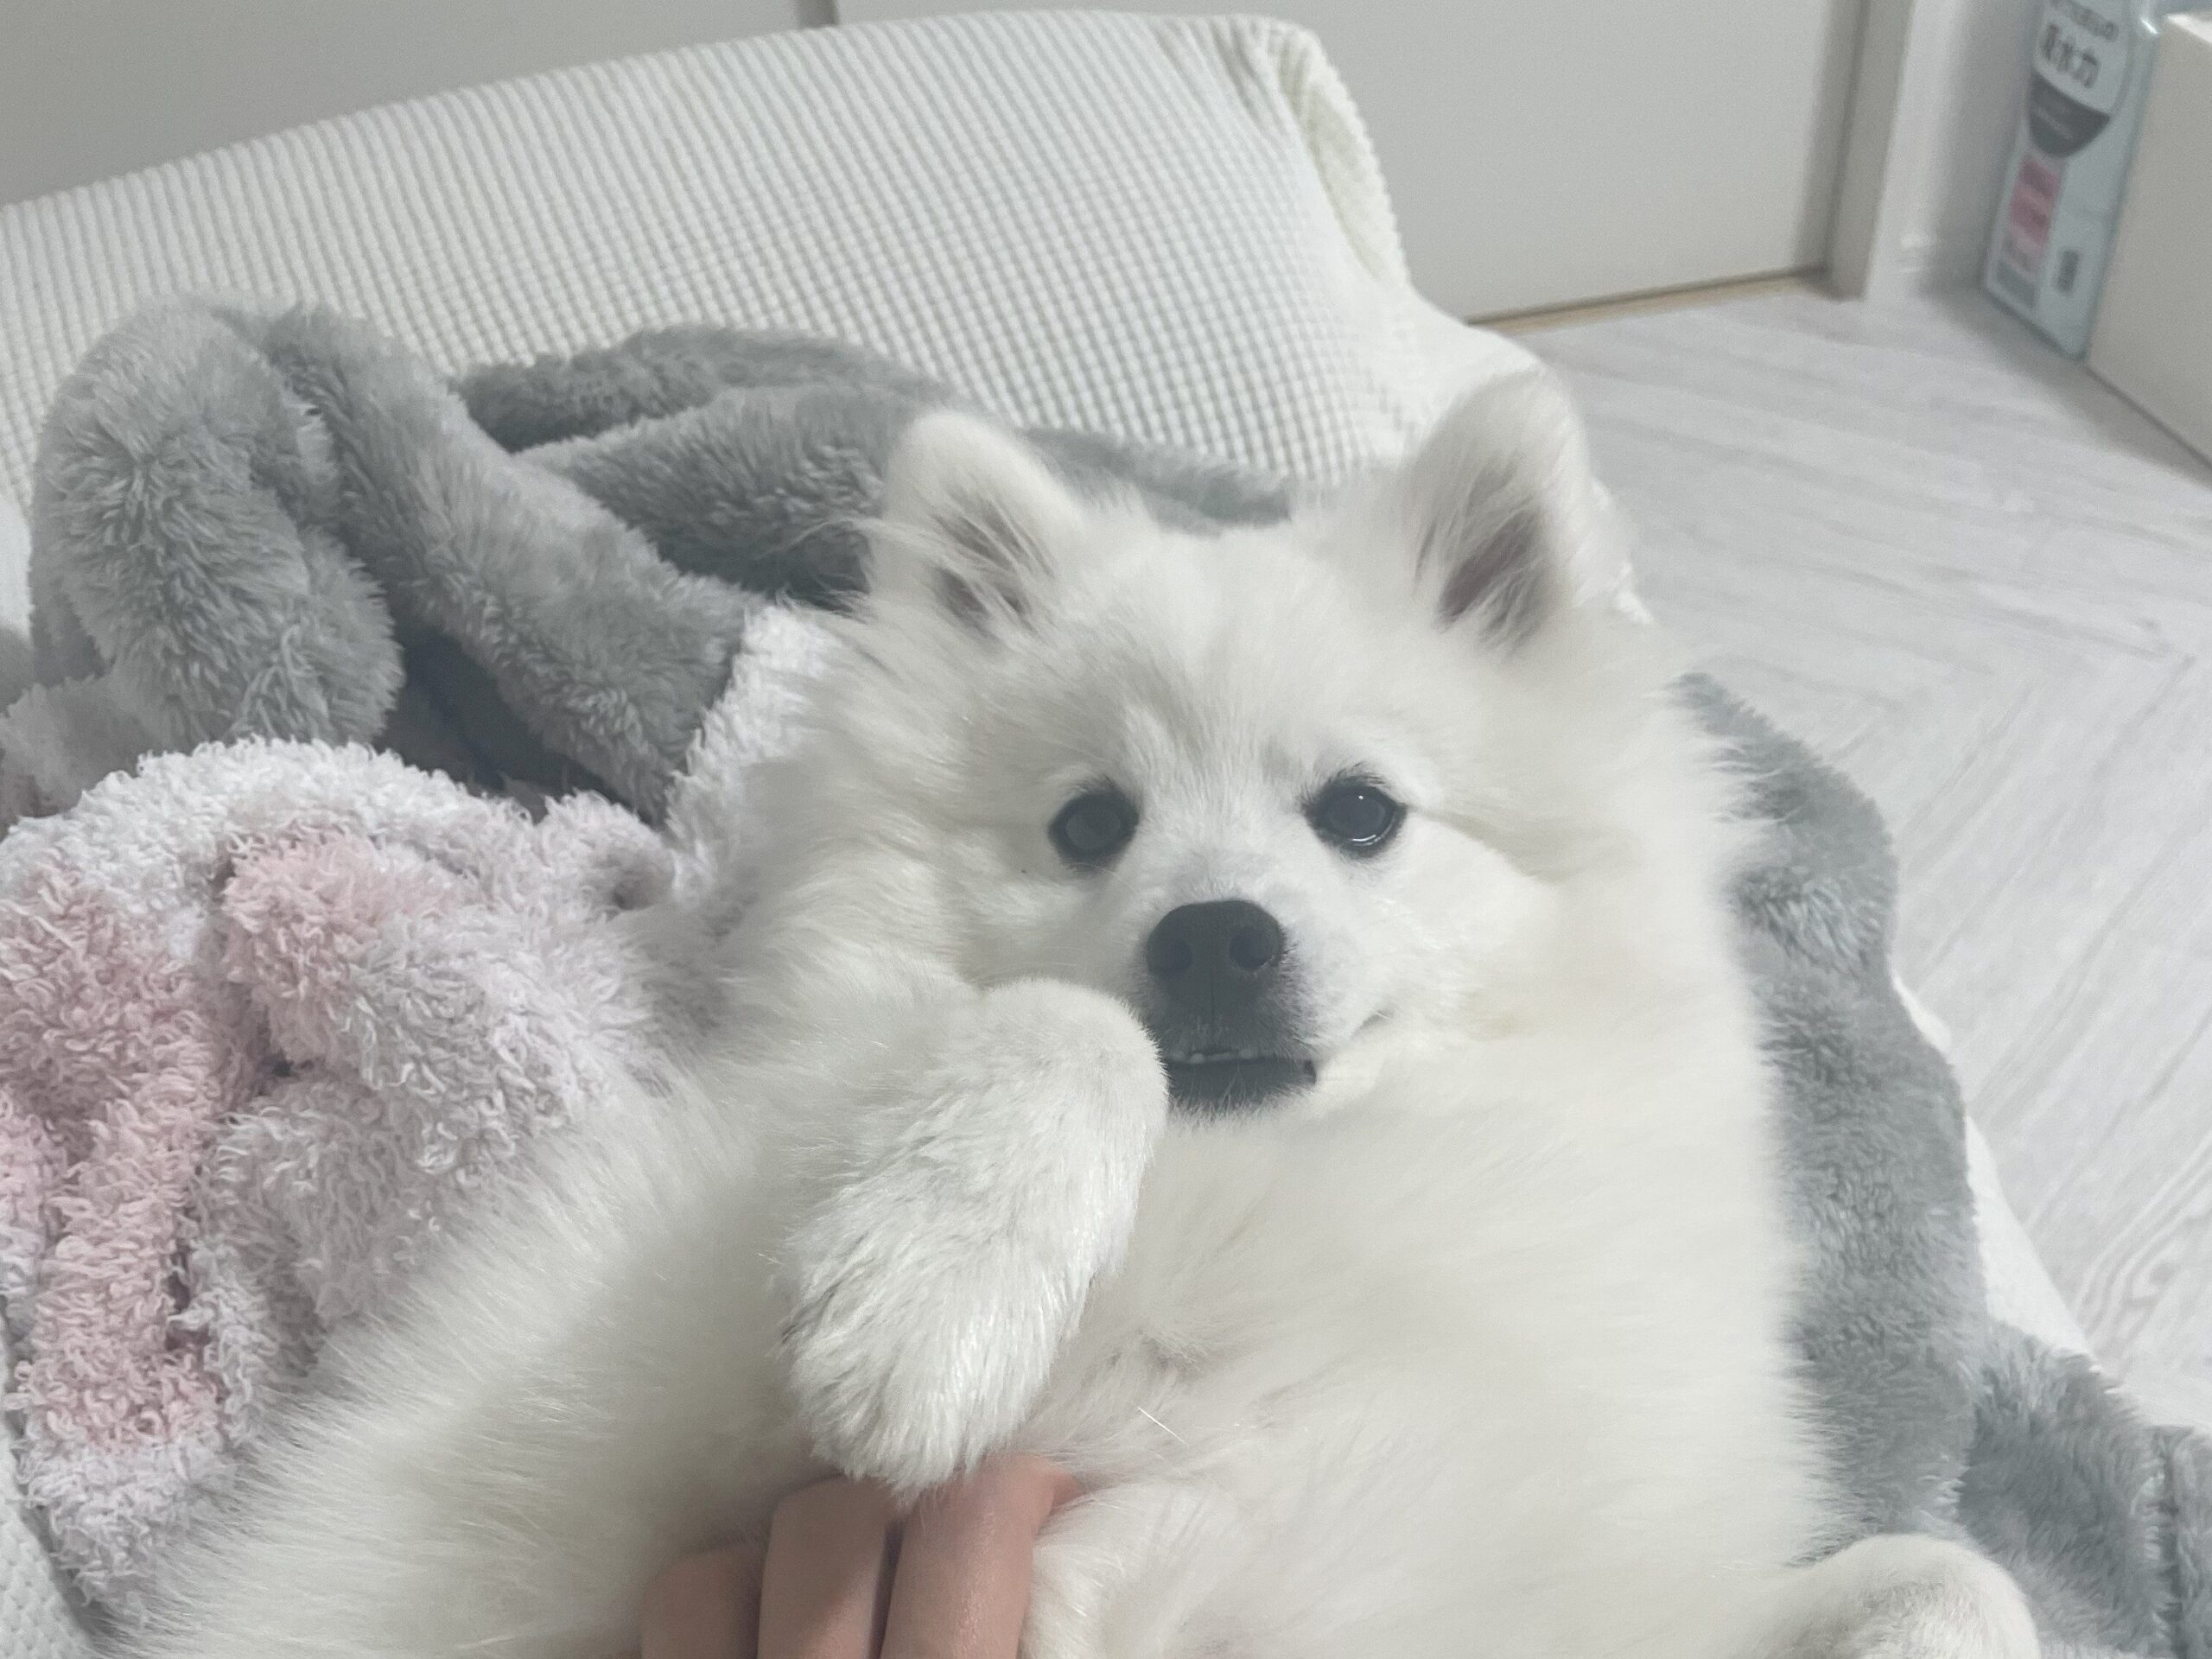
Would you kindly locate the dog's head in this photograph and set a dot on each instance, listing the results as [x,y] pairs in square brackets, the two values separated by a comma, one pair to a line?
[1287,792]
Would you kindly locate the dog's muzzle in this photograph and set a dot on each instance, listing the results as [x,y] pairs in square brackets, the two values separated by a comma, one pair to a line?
[1219,996]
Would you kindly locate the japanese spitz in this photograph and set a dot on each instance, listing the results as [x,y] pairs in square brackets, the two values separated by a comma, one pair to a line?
[1250,1017]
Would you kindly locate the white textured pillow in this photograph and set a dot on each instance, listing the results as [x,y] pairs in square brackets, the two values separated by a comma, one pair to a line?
[15,564]
[1163,228]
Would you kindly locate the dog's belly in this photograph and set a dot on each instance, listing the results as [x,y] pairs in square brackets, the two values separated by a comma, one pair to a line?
[1378,1429]
[1384,1518]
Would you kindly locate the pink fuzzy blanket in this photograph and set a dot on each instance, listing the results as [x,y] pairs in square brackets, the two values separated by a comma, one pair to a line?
[271,1015]
[268,1014]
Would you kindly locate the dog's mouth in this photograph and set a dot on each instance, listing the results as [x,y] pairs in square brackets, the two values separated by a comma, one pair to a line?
[1242,1082]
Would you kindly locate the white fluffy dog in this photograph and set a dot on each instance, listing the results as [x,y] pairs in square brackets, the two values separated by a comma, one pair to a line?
[1251,1018]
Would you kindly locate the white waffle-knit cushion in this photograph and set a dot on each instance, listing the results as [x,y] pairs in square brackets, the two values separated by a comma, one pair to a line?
[1170,229]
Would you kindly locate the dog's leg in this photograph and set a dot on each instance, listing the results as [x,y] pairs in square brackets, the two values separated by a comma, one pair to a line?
[1901,1596]
[933,1285]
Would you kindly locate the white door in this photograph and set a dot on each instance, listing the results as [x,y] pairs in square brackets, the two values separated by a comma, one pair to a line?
[1542,154]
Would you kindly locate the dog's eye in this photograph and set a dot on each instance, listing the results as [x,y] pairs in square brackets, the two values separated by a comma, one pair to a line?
[1356,815]
[1094,826]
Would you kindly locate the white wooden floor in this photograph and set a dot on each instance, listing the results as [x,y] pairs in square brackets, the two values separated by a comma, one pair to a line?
[1981,582]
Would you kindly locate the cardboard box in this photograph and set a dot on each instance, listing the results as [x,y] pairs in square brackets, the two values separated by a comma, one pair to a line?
[2153,340]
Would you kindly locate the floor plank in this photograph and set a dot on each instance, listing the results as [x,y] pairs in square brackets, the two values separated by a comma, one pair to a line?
[1983,583]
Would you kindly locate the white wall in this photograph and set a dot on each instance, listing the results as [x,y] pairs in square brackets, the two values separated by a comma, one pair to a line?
[1974,55]
[94,87]
[1923,218]
[1542,154]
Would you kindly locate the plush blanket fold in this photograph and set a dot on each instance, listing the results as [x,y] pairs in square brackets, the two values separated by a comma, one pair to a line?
[279,524]
[273,1010]
[269,1015]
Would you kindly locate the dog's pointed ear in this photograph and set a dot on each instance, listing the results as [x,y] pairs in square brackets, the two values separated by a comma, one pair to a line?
[1495,505]
[973,521]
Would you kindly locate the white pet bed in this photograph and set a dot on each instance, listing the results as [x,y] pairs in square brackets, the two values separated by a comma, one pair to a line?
[1165,229]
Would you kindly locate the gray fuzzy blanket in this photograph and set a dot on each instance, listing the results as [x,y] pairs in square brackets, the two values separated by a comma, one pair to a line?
[279,524]
[249,522]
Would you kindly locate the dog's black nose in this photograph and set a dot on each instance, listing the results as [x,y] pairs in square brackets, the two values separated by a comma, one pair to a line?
[1215,958]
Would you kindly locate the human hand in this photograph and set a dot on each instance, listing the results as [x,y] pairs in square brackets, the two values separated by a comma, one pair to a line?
[843,1578]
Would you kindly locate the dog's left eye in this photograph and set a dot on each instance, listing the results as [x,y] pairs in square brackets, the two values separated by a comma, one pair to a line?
[1356,815]
[1094,826]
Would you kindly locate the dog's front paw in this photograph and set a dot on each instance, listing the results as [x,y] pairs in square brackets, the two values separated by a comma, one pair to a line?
[932,1289]
[1905,1597]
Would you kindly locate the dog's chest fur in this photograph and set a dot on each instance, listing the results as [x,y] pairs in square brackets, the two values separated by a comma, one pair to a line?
[1439,1363]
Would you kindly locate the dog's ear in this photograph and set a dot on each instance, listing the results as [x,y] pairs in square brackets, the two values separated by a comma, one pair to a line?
[973,521]
[1495,505]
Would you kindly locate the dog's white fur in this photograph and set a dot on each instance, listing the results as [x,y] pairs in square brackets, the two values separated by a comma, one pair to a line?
[1476,1349]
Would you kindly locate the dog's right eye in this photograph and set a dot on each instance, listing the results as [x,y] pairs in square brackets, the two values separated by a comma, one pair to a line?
[1355,815]
[1094,826]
